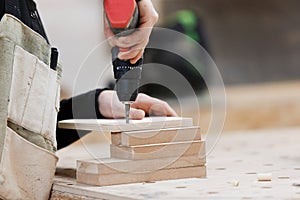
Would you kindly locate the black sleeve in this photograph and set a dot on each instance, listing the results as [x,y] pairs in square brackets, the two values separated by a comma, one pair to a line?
[2,9]
[84,106]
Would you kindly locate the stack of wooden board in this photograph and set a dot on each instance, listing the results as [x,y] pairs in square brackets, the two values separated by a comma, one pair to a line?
[170,148]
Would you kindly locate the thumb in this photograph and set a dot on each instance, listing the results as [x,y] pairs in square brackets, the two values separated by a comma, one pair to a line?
[136,114]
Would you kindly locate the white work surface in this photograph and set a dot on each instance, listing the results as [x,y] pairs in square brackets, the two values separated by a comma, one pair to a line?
[237,157]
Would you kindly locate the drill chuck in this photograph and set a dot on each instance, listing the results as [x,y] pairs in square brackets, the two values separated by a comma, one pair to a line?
[127,89]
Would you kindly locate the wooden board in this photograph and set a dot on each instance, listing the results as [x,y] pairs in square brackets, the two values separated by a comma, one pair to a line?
[156,151]
[119,125]
[145,137]
[126,178]
[115,166]
[68,189]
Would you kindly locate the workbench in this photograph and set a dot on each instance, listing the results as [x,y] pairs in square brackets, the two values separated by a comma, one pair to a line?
[233,165]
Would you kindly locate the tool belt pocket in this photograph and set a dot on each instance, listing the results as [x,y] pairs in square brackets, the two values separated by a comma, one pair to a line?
[29,103]
[34,96]
[26,170]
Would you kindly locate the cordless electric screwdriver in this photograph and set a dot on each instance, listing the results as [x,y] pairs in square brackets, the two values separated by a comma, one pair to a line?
[123,17]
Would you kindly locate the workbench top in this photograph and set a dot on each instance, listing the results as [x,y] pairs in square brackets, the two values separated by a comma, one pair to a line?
[232,167]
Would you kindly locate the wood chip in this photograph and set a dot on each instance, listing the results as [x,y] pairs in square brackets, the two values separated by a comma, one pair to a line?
[236,183]
[266,187]
[221,168]
[180,187]
[250,173]
[296,184]
[264,177]
[212,192]
[283,177]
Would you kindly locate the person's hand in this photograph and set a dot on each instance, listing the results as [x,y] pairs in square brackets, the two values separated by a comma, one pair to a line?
[111,107]
[135,43]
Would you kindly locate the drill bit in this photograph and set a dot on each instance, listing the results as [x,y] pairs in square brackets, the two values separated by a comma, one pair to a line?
[127,110]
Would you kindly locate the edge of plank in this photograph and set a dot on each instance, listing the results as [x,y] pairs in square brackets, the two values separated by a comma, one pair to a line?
[168,135]
[115,166]
[163,150]
[119,125]
[127,178]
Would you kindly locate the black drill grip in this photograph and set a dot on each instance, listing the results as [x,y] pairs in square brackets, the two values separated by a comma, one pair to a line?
[121,67]
[128,77]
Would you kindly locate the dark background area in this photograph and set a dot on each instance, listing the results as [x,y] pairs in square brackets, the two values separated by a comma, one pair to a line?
[250,41]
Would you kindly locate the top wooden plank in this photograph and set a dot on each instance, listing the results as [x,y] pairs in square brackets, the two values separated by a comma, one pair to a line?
[119,125]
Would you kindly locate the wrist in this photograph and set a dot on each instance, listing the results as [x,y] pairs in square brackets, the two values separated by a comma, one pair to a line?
[104,101]
[97,102]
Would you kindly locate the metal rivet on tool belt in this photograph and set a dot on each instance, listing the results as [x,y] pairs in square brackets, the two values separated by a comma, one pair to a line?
[33,14]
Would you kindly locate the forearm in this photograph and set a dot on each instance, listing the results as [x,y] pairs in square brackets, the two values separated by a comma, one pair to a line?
[84,106]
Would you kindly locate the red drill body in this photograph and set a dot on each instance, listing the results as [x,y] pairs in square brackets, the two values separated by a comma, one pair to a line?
[122,15]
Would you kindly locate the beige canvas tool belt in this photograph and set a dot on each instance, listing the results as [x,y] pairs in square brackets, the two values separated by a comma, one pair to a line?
[29,103]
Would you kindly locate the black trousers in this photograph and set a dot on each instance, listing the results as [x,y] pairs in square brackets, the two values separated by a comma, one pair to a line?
[84,106]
